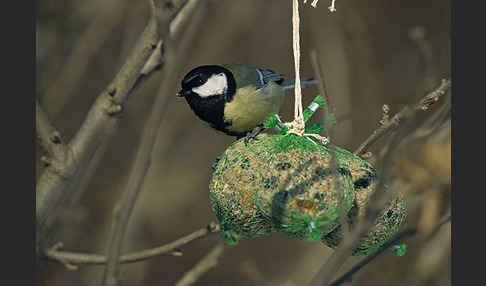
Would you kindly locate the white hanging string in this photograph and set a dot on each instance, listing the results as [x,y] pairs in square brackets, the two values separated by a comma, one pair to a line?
[298,125]
[331,8]
[298,116]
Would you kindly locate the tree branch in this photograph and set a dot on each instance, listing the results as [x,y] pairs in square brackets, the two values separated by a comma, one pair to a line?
[392,124]
[97,259]
[51,188]
[153,64]
[403,235]
[380,196]
[329,131]
[85,48]
[377,202]
[98,126]
[155,61]
[143,156]
[50,138]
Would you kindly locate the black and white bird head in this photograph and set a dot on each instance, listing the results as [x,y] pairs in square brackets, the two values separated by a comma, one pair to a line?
[207,81]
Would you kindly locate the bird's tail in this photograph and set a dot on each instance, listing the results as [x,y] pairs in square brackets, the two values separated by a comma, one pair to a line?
[291,83]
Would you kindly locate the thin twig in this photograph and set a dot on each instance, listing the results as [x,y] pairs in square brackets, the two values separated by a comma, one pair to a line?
[377,202]
[85,48]
[58,156]
[399,237]
[380,197]
[50,189]
[328,131]
[423,104]
[348,275]
[85,174]
[155,61]
[97,127]
[144,154]
[419,36]
[75,258]
[209,261]
[321,85]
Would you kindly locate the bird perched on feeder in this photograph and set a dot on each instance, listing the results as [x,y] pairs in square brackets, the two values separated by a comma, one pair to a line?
[233,98]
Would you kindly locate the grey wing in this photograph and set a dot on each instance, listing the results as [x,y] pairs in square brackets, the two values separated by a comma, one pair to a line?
[267,76]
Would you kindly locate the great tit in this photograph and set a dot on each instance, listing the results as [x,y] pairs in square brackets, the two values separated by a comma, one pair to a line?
[234,98]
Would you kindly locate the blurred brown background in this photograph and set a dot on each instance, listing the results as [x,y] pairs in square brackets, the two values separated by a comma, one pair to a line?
[372,53]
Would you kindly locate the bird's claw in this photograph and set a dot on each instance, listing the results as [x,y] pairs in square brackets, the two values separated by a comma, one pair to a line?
[253,134]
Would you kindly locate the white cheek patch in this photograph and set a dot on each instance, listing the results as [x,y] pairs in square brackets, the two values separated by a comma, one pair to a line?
[215,85]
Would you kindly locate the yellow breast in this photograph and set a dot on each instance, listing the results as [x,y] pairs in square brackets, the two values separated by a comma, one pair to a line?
[250,107]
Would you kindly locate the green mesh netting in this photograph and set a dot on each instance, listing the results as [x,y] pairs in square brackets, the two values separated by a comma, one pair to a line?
[285,183]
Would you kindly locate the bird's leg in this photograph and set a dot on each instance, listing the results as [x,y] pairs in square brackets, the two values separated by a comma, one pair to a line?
[253,134]
[250,135]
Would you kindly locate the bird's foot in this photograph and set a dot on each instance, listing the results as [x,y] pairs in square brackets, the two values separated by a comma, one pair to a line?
[253,134]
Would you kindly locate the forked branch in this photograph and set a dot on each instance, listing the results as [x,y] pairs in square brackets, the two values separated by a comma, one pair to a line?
[76,258]
[393,123]
[99,125]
